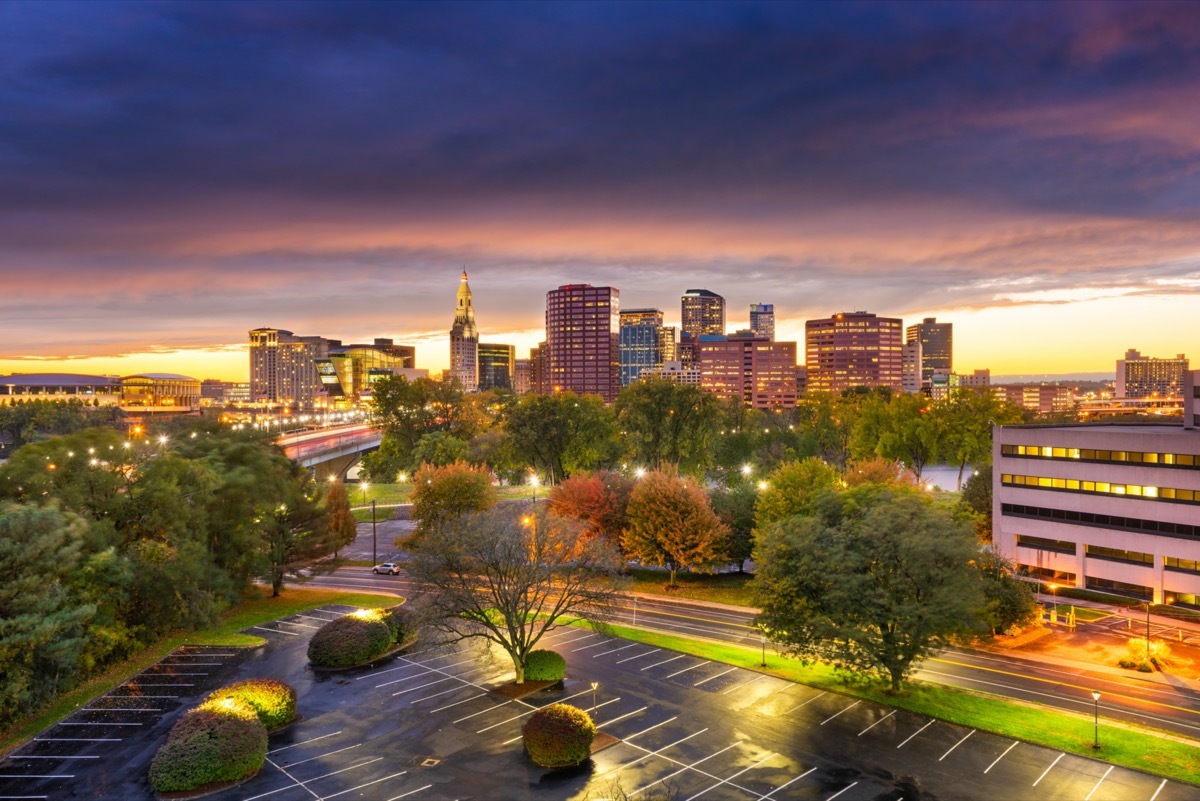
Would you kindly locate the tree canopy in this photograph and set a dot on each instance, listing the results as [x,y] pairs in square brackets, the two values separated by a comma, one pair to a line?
[671,524]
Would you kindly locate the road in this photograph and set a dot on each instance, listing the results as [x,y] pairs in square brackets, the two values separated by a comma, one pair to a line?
[1134,699]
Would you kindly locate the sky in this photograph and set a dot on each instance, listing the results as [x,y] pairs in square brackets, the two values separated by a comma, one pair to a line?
[175,174]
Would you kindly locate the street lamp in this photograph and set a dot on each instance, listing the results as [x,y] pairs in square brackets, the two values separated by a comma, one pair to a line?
[1096,698]
[533,482]
[1054,596]
[595,684]
[764,649]
[747,469]
[364,486]
[374,540]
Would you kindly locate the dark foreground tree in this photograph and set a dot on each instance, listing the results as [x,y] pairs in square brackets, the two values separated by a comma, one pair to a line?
[872,582]
[510,577]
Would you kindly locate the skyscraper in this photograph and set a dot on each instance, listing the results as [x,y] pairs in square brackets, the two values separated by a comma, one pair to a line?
[582,330]
[762,319]
[464,340]
[640,342]
[283,367]
[497,366]
[853,349]
[703,312]
[749,369]
[937,347]
[1141,376]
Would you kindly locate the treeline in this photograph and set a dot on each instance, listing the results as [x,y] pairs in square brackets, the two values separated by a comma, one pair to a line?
[28,420]
[107,544]
[657,423]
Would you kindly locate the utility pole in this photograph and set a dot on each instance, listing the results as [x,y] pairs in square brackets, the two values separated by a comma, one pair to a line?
[374,539]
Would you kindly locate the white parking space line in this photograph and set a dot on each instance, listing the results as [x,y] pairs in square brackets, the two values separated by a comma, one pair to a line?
[1047,770]
[276,631]
[322,756]
[551,639]
[359,787]
[1002,756]
[435,695]
[637,759]
[77,739]
[389,670]
[613,651]
[685,670]
[304,742]
[530,711]
[876,723]
[806,703]
[34,776]
[914,734]
[484,712]
[141,696]
[1159,790]
[441,670]
[710,678]
[301,625]
[956,745]
[304,784]
[115,709]
[652,728]
[665,661]
[638,656]
[456,703]
[734,776]
[593,709]
[322,619]
[626,715]
[685,768]
[788,783]
[839,792]
[743,684]
[20,756]
[593,645]
[422,686]
[410,792]
[1097,787]
[835,714]
[99,724]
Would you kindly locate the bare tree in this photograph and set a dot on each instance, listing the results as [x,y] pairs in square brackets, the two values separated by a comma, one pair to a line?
[510,577]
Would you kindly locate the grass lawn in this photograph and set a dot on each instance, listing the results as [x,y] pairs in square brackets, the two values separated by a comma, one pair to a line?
[258,607]
[388,496]
[1120,743]
[723,588]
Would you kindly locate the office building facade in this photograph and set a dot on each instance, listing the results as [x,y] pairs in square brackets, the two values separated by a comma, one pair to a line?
[497,366]
[1040,398]
[347,371]
[702,313]
[641,342]
[762,319]
[937,346]
[749,369]
[853,349]
[582,337]
[1141,376]
[283,367]
[464,340]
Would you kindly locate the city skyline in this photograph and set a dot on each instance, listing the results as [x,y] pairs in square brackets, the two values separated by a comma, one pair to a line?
[179,175]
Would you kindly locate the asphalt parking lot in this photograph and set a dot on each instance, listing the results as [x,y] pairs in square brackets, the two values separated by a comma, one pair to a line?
[425,727]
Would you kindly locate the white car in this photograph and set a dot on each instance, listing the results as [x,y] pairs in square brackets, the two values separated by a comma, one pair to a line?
[391,568]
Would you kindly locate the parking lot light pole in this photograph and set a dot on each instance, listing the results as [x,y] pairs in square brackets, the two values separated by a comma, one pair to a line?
[1096,740]
[595,684]
[374,539]
[764,650]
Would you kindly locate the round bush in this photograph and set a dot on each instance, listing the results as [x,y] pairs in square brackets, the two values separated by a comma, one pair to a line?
[217,741]
[350,640]
[273,700]
[543,665]
[559,735]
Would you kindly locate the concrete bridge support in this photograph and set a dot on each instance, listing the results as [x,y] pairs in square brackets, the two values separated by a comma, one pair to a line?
[335,467]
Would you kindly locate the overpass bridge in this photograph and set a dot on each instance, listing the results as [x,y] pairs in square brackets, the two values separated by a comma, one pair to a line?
[331,451]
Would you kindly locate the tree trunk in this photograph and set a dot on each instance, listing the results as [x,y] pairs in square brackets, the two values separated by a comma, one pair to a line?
[519,670]
[961,468]
[276,583]
[672,569]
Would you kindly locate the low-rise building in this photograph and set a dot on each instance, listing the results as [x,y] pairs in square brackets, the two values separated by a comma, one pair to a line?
[94,390]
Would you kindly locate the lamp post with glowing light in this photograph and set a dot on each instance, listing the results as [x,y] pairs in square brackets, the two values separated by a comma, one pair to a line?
[533,482]
[595,684]
[1096,699]
[1054,600]
[764,649]
[364,486]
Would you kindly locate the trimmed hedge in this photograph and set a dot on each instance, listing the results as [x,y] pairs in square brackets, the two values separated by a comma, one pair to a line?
[559,735]
[351,639]
[543,665]
[273,700]
[218,741]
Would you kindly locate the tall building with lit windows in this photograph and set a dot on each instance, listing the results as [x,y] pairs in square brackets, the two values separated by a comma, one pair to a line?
[853,349]
[1109,507]
[749,369]
[497,366]
[762,319]
[464,340]
[1141,376]
[582,340]
[645,343]
[702,313]
[283,367]
[937,347]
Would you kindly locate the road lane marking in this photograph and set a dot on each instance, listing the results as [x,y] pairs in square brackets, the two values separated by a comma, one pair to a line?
[693,667]
[651,753]
[613,651]
[456,703]
[835,714]
[1047,770]
[839,792]
[1159,790]
[876,723]
[639,656]
[665,661]
[77,739]
[304,742]
[275,631]
[734,776]
[956,745]
[914,734]
[322,756]
[1002,756]
[422,686]
[806,703]
[743,684]
[645,787]
[622,717]
[359,787]
[530,711]
[1097,787]
[593,645]
[788,783]
[21,756]
[410,792]
[484,712]
[710,678]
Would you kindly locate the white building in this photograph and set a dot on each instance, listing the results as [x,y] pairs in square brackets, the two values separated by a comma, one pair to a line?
[1110,507]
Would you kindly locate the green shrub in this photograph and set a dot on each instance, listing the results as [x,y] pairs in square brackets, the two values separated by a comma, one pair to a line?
[273,700]
[1145,667]
[398,623]
[1128,664]
[217,741]
[543,665]
[559,735]
[350,640]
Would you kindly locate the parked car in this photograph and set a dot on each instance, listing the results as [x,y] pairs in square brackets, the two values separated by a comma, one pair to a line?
[391,568]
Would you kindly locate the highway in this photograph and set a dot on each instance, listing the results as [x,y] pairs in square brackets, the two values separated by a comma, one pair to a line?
[1134,698]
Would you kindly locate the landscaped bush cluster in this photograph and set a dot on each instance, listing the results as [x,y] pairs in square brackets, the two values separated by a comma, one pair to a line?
[357,638]
[543,665]
[224,738]
[559,735]
[272,700]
